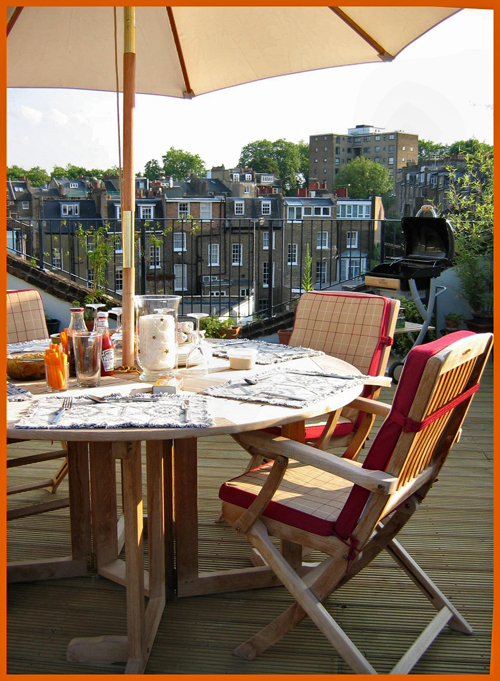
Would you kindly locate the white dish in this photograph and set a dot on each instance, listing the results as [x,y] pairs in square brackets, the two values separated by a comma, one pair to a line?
[183,351]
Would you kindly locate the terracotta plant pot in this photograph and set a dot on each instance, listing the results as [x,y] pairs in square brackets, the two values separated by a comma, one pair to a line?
[89,323]
[230,332]
[284,336]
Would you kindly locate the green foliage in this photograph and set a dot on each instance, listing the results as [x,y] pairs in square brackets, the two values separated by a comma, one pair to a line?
[307,284]
[429,150]
[365,178]
[212,325]
[36,175]
[153,170]
[289,161]
[470,207]
[454,317]
[402,341]
[182,164]
[99,248]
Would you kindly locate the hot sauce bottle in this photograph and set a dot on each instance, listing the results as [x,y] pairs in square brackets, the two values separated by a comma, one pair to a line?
[108,350]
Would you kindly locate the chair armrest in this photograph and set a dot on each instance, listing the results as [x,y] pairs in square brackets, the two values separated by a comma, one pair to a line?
[380,381]
[374,481]
[371,406]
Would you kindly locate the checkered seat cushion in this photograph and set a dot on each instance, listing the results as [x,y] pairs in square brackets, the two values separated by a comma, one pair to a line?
[25,316]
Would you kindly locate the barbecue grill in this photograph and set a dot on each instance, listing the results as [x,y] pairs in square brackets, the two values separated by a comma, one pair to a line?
[429,249]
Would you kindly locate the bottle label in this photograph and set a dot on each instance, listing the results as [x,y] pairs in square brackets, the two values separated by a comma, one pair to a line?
[108,359]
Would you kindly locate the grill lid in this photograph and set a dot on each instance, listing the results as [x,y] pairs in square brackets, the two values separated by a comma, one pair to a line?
[428,239]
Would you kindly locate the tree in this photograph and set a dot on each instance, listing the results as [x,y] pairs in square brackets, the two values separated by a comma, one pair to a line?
[182,164]
[153,170]
[15,172]
[470,146]
[365,178]
[429,150]
[36,175]
[285,159]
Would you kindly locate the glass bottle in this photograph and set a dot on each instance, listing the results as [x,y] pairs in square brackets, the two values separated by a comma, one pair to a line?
[77,323]
[117,337]
[108,350]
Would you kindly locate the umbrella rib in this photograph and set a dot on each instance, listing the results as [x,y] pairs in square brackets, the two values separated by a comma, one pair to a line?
[188,93]
[13,18]
[382,53]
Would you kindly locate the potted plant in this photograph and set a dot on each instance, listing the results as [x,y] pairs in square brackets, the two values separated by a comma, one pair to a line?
[453,320]
[52,325]
[475,274]
[218,327]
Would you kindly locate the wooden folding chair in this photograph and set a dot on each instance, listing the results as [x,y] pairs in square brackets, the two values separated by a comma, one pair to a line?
[25,322]
[351,511]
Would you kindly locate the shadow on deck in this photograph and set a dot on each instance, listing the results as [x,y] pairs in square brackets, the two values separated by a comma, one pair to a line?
[451,536]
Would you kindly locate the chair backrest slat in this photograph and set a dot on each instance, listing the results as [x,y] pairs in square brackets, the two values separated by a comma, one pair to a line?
[25,316]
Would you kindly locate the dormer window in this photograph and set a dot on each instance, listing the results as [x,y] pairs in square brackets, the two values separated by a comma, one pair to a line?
[266,178]
[70,209]
[236,177]
[248,177]
[73,185]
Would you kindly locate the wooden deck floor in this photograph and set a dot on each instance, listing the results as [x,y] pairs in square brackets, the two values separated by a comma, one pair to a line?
[451,536]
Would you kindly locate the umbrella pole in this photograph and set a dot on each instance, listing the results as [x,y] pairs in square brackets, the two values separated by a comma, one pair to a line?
[128,198]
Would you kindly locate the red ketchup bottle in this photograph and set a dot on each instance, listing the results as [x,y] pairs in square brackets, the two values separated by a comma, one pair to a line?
[108,349]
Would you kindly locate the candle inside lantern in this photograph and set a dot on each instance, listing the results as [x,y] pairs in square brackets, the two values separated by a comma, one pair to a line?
[157,341]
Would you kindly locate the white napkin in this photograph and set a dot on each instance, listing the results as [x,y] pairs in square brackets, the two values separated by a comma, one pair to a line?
[267,353]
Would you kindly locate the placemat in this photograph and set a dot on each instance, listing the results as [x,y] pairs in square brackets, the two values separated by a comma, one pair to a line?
[286,387]
[143,410]
[267,353]
[17,394]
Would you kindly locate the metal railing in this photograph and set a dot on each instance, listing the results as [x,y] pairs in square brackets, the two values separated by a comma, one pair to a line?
[241,267]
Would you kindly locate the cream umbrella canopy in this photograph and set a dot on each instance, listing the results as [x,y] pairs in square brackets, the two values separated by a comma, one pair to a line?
[189,51]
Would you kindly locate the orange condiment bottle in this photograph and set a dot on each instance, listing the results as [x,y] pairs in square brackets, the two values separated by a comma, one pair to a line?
[108,349]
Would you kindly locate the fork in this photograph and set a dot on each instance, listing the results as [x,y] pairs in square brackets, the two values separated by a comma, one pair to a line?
[185,408]
[67,404]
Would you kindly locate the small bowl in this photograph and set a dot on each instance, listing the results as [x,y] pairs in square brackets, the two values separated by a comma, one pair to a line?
[242,359]
[29,366]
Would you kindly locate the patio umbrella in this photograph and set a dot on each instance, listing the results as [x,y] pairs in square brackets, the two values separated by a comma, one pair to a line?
[188,51]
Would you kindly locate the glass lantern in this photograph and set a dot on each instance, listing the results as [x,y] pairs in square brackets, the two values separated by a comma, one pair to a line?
[156,335]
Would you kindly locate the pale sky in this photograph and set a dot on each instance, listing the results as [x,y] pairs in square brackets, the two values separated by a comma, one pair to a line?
[440,88]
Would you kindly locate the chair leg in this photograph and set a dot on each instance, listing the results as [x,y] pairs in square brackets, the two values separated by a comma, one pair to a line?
[305,597]
[58,477]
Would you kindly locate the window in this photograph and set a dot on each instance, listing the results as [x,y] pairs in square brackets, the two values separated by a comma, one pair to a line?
[325,160]
[391,148]
[118,279]
[293,254]
[411,148]
[316,149]
[213,255]
[89,238]
[391,137]
[367,211]
[154,257]
[179,241]
[265,275]
[366,150]
[90,278]
[322,240]
[404,148]
[315,160]
[267,178]
[180,277]
[118,242]
[146,212]
[183,208]
[205,210]
[236,177]
[118,211]
[247,190]
[73,185]
[377,138]
[391,160]
[325,171]
[266,208]
[377,148]
[25,205]
[352,239]
[237,254]
[244,292]
[265,241]
[401,159]
[294,213]
[217,294]
[321,273]
[56,259]
[248,177]
[337,161]
[326,148]
[239,208]
[70,209]
[337,150]
[263,304]
[377,159]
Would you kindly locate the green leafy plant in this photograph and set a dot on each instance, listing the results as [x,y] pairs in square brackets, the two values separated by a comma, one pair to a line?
[99,249]
[307,284]
[402,341]
[212,325]
[454,318]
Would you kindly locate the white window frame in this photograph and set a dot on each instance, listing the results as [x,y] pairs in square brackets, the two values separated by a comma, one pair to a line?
[265,274]
[73,185]
[244,292]
[70,209]
[352,239]
[248,177]
[322,240]
[90,278]
[292,254]
[213,255]
[246,190]
[237,254]
[56,259]
[118,211]
[25,205]
[391,160]
[146,212]
[89,243]
[179,247]
[118,242]
[266,179]
[118,279]
[236,177]
[265,208]
[239,208]
[180,280]
[205,210]
[265,241]
[182,212]
[321,272]
[294,213]
[154,257]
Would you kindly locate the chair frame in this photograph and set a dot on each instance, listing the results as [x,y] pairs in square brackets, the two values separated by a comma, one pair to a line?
[395,494]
